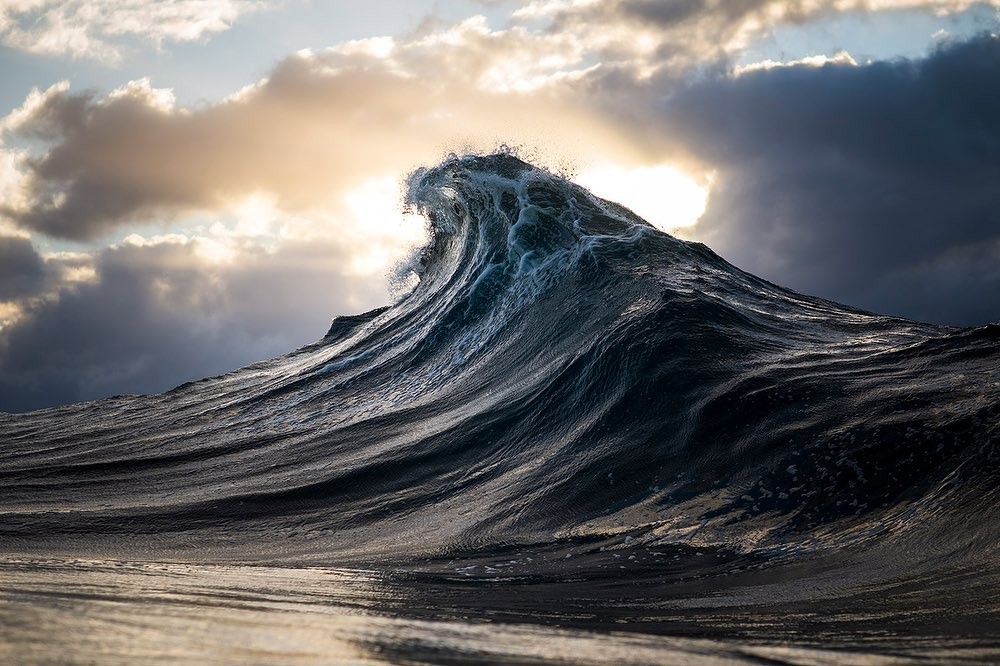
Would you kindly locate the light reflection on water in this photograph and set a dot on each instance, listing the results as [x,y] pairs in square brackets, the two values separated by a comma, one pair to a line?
[87,611]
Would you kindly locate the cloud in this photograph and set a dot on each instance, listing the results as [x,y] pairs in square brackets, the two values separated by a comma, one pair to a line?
[286,185]
[100,29]
[314,128]
[320,121]
[22,271]
[839,58]
[873,185]
[157,314]
[654,35]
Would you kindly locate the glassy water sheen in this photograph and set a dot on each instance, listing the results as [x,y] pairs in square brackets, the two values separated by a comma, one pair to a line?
[577,439]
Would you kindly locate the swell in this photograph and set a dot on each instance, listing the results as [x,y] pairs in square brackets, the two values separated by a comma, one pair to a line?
[562,371]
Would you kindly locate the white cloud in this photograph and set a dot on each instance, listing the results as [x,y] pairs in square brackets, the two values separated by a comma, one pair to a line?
[647,36]
[142,90]
[839,58]
[11,180]
[99,29]
[33,104]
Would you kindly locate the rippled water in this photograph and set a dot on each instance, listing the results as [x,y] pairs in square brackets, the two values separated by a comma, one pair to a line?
[91,611]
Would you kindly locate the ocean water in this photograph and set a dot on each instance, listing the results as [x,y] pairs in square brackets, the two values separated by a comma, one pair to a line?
[577,439]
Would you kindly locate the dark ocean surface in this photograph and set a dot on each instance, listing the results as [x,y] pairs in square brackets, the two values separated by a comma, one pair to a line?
[577,439]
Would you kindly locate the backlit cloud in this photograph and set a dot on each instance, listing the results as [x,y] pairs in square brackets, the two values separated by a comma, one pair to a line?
[315,127]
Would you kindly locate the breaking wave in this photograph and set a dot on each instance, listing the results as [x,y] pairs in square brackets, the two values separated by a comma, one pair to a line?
[563,380]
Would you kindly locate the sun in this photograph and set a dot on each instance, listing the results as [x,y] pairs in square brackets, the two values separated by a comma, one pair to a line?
[663,195]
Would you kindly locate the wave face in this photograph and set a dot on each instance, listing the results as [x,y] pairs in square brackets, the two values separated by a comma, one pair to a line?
[564,378]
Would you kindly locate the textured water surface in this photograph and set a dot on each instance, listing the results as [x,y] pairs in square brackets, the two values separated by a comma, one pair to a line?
[577,438]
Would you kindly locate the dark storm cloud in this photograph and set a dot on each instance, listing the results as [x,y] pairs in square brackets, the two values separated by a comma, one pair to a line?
[878,185]
[158,316]
[22,271]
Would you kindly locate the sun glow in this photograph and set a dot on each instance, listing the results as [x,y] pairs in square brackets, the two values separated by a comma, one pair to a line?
[663,195]
[383,231]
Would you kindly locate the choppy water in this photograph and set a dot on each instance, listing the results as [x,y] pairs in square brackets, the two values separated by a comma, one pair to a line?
[578,438]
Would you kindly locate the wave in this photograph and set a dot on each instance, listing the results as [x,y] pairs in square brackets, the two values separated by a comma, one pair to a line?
[563,376]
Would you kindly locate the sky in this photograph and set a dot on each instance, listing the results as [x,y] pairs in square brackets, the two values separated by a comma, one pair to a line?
[187,186]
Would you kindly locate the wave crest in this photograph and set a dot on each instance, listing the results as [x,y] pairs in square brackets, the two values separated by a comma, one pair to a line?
[563,370]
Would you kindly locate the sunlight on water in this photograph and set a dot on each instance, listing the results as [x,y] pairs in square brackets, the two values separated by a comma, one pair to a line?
[56,611]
